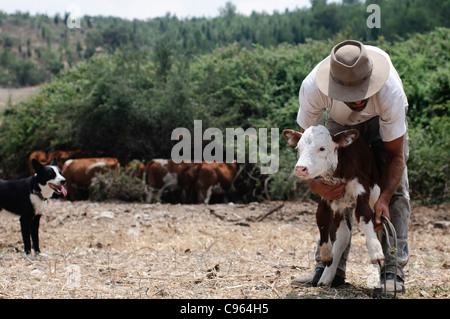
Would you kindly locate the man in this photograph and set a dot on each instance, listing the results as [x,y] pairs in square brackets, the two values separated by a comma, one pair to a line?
[360,88]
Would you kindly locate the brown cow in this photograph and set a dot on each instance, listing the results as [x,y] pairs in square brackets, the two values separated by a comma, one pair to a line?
[165,174]
[60,156]
[201,179]
[41,157]
[79,172]
[63,156]
[161,175]
[186,180]
[214,178]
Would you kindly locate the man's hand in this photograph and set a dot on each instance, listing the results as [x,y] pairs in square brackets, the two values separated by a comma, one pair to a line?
[327,191]
[381,207]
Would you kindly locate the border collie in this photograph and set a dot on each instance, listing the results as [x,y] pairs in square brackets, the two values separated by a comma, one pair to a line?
[27,197]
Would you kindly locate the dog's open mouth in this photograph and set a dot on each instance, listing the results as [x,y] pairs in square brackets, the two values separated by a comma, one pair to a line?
[60,189]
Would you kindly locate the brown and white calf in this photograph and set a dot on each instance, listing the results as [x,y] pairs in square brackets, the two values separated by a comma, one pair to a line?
[214,178]
[343,157]
[161,174]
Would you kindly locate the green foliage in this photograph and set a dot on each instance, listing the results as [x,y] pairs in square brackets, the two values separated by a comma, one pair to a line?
[127,103]
[238,85]
[428,167]
[19,72]
[200,35]
[111,104]
[423,63]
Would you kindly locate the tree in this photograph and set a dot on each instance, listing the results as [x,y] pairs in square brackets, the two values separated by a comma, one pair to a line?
[228,12]
[350,2]
[163,56]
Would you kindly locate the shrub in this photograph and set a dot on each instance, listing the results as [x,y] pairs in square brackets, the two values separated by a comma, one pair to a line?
[126,105]
[120,184]
[428,165]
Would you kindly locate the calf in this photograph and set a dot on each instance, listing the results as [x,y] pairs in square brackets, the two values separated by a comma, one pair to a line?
[161,175]
[343,157]
[214,178]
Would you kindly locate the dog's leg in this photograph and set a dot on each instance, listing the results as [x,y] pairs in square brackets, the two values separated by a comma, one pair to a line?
[25,225]
[35,233]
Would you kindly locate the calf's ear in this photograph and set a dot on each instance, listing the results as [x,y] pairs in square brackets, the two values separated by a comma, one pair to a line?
[292,137]
[345,138]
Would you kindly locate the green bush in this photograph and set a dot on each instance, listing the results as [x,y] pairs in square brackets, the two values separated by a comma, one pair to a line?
[428,166]
[126,105]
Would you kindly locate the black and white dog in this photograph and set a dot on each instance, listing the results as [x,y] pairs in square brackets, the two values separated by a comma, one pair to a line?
[27,197]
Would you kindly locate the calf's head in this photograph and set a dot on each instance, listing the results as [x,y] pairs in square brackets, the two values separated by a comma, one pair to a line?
[318,150]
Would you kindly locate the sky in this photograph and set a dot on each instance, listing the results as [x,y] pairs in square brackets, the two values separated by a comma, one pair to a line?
[144,9]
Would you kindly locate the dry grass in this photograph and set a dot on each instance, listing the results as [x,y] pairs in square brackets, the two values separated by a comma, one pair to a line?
[122,250]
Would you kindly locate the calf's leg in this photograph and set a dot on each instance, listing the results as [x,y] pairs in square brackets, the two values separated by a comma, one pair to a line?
[365,215]
[324,217]
[343,234]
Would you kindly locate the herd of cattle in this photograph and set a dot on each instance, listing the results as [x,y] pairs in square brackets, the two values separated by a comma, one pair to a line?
[196,182]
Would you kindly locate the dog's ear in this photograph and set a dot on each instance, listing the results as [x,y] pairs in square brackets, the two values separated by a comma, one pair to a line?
[54,162]
[36,165]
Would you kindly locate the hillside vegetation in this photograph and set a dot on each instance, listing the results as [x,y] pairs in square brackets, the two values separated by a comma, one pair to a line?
[126,100]
[35,48]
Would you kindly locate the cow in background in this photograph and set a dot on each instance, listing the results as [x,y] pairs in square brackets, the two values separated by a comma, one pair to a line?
[214,178]
[60,156]
[196,182]
[161,175]
[79,173]
[186,181]
[39,156]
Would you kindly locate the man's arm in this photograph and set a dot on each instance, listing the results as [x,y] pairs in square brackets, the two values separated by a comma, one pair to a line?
[391,176]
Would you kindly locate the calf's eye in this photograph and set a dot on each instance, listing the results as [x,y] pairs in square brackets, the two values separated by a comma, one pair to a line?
[322,149]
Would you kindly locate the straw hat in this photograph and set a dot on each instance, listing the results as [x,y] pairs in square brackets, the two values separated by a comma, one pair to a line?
[352,73]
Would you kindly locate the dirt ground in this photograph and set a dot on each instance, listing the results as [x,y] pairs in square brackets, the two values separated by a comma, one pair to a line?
[131,250]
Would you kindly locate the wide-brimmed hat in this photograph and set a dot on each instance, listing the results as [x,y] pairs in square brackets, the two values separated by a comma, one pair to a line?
[352,73]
